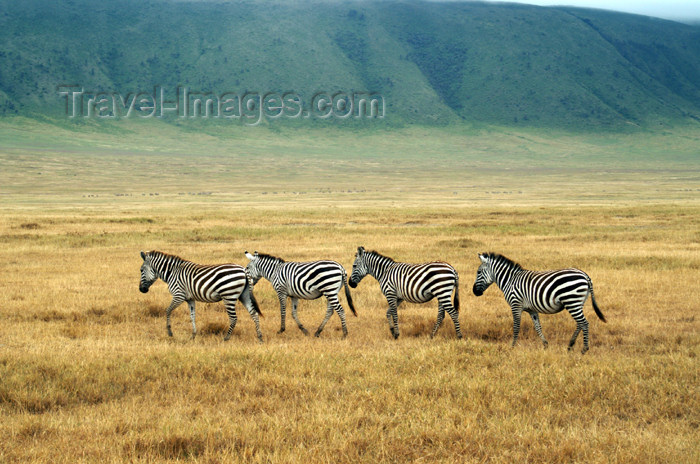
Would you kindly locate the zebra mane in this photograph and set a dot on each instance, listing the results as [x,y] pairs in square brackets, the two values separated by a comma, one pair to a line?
[495,257]
[155,253]
[266,256]
[167,256]
[376,253]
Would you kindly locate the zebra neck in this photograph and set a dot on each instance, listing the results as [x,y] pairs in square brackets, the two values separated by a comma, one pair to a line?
[506,278]
[270,269]
[166,268]
[378,269]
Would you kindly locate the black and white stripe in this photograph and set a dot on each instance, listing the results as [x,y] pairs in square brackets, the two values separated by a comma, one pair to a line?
[192,282]
[415,283]
[307,281]
[534,292]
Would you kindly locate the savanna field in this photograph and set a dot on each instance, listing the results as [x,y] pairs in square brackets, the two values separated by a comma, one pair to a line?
[88,374]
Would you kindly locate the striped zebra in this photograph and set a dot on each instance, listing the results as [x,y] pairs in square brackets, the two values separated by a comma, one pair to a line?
[192,282]
[307,281]
[415,283]
[534,292]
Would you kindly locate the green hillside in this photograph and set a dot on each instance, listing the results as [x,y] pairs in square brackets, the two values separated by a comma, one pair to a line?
[432,63]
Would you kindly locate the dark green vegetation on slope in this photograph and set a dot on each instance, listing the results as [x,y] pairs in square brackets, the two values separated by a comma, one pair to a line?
[434,63]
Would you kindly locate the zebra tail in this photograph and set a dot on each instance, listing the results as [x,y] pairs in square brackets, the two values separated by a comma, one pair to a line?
[249,288]
[347,295]
[595,305]
[455,302]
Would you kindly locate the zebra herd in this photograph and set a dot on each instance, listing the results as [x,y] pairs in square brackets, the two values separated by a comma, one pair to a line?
[534,292]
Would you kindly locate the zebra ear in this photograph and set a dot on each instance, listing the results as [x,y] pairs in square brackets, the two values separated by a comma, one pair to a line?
[143,256]
[482,257]
[249,256]
[360,250]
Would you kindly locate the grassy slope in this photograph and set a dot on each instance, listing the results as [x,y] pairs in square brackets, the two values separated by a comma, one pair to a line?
[434,63]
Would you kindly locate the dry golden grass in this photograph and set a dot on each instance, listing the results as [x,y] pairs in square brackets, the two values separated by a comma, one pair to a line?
[87,373]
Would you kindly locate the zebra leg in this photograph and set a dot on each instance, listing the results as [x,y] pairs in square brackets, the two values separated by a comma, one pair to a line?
[440,318]
[517,313]
[283,311]
[455,320]
[232,318]
[177,301]
[585,336]
[256,319]
[335,303]
[329,313]
[391,320]
[581,324]
[194,326]
[538,328]
[573,338]
[393,315]
[295,302]
[247,300]
[446,305]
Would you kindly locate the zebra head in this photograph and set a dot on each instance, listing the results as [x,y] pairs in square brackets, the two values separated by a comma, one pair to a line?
[484,275]
[148,274]
[359,268]
[263,265]
[253,267]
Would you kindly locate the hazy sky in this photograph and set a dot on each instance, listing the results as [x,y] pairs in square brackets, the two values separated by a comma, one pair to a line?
[672,9]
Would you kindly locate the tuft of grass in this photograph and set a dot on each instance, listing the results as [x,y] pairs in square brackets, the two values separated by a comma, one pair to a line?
[155,309]
[213,328]
[170,448]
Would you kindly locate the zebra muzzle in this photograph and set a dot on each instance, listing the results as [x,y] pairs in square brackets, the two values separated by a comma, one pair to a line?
[477,291]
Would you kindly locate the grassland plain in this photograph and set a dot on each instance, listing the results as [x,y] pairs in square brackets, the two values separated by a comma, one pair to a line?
[87,373]
[55,163]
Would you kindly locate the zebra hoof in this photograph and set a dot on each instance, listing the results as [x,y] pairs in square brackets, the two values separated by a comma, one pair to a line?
[317,334]
[281,331]
[304,331]
[546,345]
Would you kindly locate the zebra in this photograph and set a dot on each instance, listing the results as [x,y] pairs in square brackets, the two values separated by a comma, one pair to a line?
[192,282]
[415,283]
[307,281]
[535,292]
